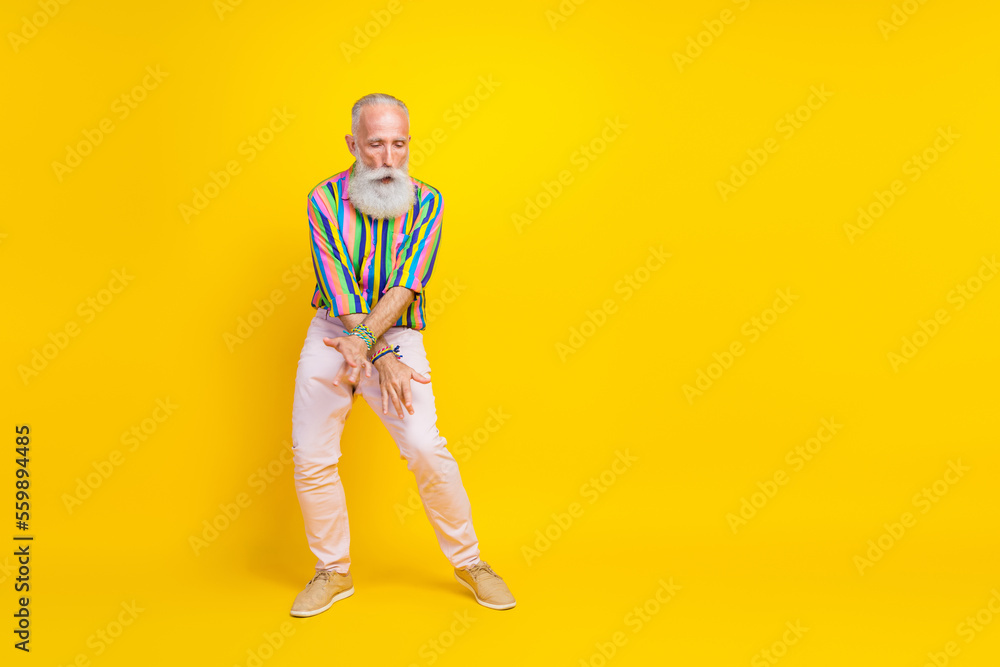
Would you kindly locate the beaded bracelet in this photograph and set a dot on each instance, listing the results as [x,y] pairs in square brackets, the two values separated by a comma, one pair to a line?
[386,350]
[364,333]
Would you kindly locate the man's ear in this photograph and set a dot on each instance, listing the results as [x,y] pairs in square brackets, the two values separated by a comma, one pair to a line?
[350,143]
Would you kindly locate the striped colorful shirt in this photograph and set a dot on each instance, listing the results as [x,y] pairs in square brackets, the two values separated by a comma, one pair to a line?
[358,258]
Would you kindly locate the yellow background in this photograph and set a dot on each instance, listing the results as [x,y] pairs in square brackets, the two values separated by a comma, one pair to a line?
[521,293]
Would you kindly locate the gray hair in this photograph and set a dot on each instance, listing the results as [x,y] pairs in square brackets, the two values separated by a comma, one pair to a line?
[373,99]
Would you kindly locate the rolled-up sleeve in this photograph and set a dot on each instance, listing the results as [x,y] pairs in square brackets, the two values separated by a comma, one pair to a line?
[334,273]
[415,258]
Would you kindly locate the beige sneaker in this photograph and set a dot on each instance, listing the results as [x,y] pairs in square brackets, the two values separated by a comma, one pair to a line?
[321,592]
[488,586]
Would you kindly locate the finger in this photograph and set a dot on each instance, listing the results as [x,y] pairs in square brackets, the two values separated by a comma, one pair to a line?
[342,346]
[408,397]
[395,401]
[420,377]
[335,343]
[385,402]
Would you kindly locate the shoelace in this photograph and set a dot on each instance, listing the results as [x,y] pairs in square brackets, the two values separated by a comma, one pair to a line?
[322,574]
[480,568]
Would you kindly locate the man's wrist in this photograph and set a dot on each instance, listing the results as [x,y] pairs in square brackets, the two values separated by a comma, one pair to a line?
[384,361]
[364,333]
[383,349]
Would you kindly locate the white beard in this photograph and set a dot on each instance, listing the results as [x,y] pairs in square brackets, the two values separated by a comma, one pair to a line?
[381,200]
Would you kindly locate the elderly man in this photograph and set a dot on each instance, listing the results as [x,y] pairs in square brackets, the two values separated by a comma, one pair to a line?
[374,232]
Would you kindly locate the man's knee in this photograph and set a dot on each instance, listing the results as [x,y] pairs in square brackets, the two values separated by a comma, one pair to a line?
[428,452]
[315,449]
[311,468]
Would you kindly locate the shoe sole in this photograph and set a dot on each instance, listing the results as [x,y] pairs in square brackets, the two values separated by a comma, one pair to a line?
[485,604]
[339,596]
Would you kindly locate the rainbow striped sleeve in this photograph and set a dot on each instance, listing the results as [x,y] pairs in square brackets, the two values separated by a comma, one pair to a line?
[417,254]
[335,279]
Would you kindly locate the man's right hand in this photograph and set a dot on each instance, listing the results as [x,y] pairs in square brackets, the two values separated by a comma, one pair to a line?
[394,380]
[354,352]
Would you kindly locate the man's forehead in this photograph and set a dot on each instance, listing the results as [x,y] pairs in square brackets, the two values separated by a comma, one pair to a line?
[382,121]
[378,136]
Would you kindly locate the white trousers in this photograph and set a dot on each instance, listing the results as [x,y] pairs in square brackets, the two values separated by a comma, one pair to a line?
[319,412]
